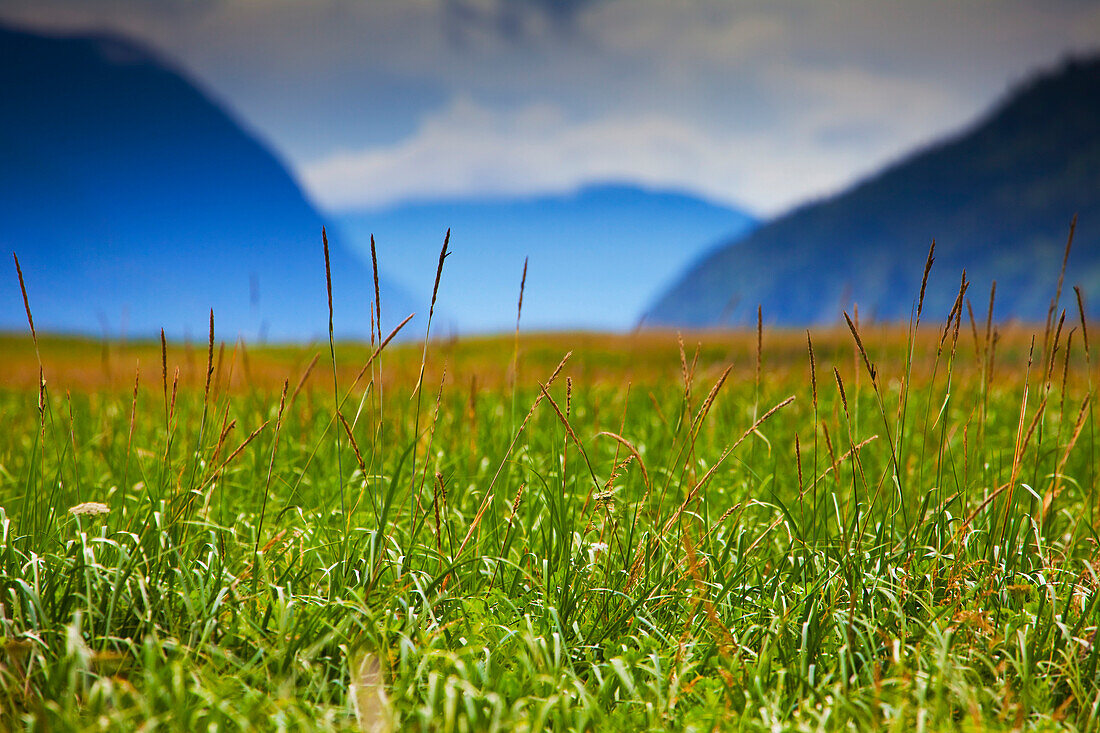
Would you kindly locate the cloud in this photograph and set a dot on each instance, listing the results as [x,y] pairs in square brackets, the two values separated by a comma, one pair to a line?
[470,149]
[515,20]
[758,102]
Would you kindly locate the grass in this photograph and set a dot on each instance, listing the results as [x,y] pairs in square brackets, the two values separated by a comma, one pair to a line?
[648,534]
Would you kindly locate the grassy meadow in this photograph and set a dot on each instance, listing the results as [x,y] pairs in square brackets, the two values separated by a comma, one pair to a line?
[866,528]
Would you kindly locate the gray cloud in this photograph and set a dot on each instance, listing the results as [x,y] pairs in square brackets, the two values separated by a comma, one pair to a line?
[515,20]
[763,102]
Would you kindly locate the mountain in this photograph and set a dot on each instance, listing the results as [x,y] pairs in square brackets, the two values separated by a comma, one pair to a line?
[135,202]
[597,255]
[998,199]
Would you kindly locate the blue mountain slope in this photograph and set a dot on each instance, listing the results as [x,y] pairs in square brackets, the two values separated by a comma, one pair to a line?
[597,256]
[998,199]
[134,202]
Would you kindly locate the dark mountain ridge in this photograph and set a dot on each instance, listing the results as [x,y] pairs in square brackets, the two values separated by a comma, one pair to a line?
[136,202]
[997,198]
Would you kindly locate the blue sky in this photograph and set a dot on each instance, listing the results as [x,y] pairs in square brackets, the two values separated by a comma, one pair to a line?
[761,104]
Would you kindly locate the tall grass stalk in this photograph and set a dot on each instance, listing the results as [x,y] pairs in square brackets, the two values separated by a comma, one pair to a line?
[616,559]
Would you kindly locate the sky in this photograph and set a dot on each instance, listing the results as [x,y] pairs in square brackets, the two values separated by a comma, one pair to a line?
[760,105]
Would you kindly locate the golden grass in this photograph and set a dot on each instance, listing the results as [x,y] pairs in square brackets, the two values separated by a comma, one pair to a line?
[652,357]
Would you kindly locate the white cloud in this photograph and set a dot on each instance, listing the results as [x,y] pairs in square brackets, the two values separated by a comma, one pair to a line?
[470,149]
[758,102]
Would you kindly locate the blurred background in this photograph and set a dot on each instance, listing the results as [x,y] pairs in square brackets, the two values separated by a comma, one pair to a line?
[657,164]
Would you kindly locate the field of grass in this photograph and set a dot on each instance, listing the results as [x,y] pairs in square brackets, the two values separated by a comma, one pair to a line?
[882,528]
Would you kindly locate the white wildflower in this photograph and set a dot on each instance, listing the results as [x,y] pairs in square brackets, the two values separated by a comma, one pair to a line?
[94,508]
[594,551]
